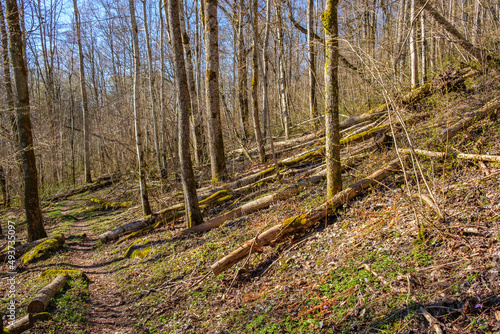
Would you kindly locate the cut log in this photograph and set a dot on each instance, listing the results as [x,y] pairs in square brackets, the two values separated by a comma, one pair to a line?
[21,324]
[43,297]
[24,248]
[471,118]
[301,222]
[464,156]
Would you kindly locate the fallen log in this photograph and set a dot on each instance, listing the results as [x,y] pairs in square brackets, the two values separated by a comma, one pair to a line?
[299,223]
[41,300]
[464,156]
[26,322]
[44,249]
[22,249]
[104,205]
[471,118]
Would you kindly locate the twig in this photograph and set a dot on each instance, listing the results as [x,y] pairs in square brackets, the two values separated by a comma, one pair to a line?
[432,321]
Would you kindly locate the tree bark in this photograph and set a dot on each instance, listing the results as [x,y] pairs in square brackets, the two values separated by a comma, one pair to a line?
[333,168]
[193,213]
[39,303]
[146,209]
[151,90]
[413,47]
[83,91]
[242,70]
[215,141]
[424,48]
[31,200]
[313,103]
[281,74]
[255,82]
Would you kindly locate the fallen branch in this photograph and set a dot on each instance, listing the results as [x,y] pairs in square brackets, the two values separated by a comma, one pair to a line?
[26,322]
[432,321]
[471,118]
[102,182]
[41,300]
[464,156]
[299,223]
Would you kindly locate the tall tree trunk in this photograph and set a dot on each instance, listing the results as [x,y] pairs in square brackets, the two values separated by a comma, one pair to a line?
[163,172]
[31,201]
[151,89]
[413,47]
[215,141]
[83,90]
[195,116]
[255,83]
[333,168]
[193,213]
[476,26]
[281,73]
[313,103]
[424,48]
[460,39]
[242,70]
[146,209]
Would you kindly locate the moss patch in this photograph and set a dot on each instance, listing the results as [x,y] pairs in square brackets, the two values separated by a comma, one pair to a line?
[56,272]
[138,249]
[44,250]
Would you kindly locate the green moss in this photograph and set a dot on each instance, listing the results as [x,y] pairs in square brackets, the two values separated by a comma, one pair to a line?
[56,272]
[215,196]
[362,134]
[210,76]
[294,222]
[43,250]
[110,205]
[138,250]
[417,93]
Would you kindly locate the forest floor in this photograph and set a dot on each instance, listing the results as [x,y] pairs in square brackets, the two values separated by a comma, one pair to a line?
[382,263]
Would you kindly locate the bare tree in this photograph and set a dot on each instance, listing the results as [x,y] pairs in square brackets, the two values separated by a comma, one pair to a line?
[313,102]
[31,201]
[215,141]
[413,47]
[193,213]
[146,209]
[333,168]
[83,90]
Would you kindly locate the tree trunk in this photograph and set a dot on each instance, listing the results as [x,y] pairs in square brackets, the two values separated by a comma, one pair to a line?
[313,103]
[471,49]
[146,209]
[333,168]
[151,90]
[3,186]
[31,201]
[193,213]
[413,47]
[255,83]
[163,173]
[424,48]
[242,70]
[83,90]
[195,115]
[281,74]
[215,141]
[39,303]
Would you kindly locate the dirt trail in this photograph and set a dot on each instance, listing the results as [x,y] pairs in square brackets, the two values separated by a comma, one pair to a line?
[108,312]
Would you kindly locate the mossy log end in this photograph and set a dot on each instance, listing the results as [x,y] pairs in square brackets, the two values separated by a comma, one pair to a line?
[43,297]
[138,249]
[299,223]
[44,249]
[110,205]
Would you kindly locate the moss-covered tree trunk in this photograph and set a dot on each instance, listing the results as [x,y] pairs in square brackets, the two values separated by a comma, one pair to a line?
[146,209]
[193,213]
[333,170]
[215,141]
[31,201]
[313,102]
[83,91]
[255,83]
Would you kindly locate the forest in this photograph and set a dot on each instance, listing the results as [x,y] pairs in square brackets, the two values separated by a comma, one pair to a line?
[250,166]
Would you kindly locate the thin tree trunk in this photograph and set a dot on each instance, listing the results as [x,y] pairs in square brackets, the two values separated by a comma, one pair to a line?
[413,47]
[255,83]
[242,71]
[31,201]
[215,141]
[146,209]
[281,73]
[424,48]
[333,168]
[163,172]
[313,103]
[151,89]
[193,213]
[83,90]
